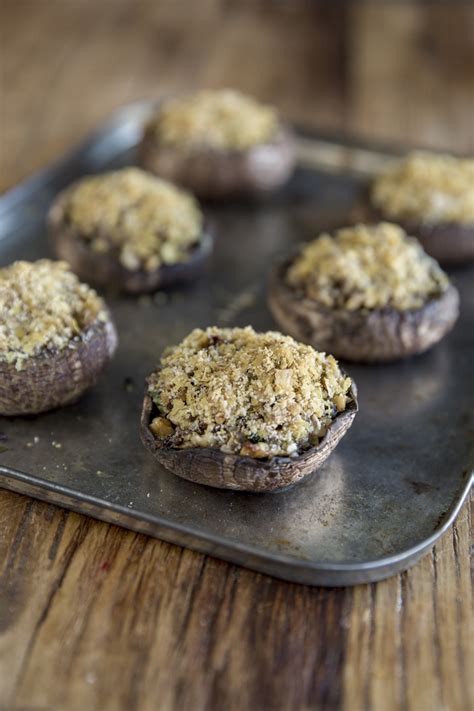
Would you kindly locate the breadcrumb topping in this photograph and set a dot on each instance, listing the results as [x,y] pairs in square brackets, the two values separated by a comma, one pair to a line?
[224,120]
[147,220]
[257,394]
[367,267]
[43,306]
[427,187]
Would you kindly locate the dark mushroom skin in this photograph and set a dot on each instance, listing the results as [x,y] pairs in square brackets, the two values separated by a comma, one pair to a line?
[377,336]
[106,271]
[216,174]
[222,470]
[450,243]
[56,378]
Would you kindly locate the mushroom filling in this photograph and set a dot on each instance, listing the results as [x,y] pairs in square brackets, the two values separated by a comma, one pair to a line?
[367,267]
[224,120]
[43,307]
[148,221]
[255,394]
[427,188]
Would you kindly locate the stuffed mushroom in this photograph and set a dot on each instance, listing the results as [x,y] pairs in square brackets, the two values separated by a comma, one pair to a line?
[432,197]
[56,337]
[236,409]
[218,144]
[367,294]
[129,231]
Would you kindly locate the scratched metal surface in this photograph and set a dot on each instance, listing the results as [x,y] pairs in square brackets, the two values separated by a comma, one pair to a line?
[390,489]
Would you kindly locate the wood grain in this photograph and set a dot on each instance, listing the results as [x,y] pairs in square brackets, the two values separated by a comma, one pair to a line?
[96,617]
[394,71]
[412,73]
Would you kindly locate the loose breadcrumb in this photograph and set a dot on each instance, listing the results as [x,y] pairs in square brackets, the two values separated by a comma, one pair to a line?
[147,220]
[257,394]
[367,267]
[428,188]
[43,306]
[224,120]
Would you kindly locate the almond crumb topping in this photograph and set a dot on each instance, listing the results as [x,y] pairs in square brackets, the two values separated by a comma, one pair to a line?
[255,394]
[367,267]
[428,188]
[224,120]
[43,306]
[148,221]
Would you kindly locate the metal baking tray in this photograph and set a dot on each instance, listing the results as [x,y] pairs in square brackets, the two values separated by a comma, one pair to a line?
[391,488]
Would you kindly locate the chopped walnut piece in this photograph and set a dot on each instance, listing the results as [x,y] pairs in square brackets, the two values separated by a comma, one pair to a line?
[428,188]
[225,120]
[257,394]
[367,267]
[43,306]
[146,220]
[161,427]
[259,450]
[340,402]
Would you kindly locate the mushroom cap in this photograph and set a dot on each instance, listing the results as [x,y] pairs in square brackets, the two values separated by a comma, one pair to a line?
[55,378]
[212,173]
[376,336]
[105,269]
[233,471]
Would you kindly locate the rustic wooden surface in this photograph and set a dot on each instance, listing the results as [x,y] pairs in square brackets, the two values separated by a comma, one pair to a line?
[95,617]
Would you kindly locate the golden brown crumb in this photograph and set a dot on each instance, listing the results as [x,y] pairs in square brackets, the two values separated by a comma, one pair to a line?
[427,187]
[148,220]
[257,394]
[225,120]
[367,267]
[43,305]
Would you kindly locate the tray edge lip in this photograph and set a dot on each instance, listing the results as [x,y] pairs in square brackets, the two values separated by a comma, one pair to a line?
[115,119]
[12,197]
[291,562]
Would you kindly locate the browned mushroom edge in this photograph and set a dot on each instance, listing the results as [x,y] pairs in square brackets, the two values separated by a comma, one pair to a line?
[450,243]
[211,173]
[52,379]
[232,471]
[105,270]
[363,336]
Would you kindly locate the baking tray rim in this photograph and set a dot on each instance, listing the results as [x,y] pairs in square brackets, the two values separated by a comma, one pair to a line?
[289,561]
[116,121]
[291,567]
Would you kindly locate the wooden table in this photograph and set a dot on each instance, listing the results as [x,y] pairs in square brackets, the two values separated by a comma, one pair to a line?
[96,617]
